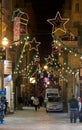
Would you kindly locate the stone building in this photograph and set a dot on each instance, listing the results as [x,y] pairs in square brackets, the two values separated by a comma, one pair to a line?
[73,11]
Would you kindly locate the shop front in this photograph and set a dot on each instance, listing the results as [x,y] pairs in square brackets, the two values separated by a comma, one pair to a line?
[8,84]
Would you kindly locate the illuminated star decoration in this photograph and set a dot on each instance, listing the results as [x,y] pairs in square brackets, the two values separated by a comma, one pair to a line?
[49,60]
[16,14]
[33,45]
[58,23]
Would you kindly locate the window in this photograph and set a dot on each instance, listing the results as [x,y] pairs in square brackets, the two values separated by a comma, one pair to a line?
[77,8]
[54,99]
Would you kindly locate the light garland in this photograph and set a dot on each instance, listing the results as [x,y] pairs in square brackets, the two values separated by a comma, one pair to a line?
[66,47]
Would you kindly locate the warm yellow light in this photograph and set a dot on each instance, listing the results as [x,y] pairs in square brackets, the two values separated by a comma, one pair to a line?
[45,67]
[5,41]
[32,80]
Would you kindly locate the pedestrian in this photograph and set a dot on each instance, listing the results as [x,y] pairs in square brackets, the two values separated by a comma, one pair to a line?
[73,109]
[36,103]
[32,98]
[41,99]
[80,119]
[6,105]
[80,109]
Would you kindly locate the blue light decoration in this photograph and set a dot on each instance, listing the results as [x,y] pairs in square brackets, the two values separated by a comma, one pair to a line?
[2,105]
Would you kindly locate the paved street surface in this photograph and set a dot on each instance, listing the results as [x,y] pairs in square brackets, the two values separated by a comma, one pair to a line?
[29,119]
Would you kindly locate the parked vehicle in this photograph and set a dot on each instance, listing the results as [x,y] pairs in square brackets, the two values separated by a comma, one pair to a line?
[54,104]
[50,92]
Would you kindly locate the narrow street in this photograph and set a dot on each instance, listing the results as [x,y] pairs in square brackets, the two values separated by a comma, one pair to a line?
[29,119]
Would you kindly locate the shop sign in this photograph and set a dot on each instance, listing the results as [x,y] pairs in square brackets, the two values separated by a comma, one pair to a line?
[7,67]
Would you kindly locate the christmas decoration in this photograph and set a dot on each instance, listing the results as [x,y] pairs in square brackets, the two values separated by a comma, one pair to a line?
[20,24]
[58,23]
[16,14]
[33,45]
[58,42]
[21,56]
[54,50]
[49,60]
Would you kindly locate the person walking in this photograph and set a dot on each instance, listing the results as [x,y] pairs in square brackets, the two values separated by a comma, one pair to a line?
[41,99]
[6,105]
[79,109]
[73,109]
[36,102]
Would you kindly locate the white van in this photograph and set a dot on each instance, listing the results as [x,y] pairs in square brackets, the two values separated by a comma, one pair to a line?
[54,104]
[50,92]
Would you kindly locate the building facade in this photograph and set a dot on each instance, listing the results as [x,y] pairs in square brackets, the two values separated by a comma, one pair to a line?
[73,11]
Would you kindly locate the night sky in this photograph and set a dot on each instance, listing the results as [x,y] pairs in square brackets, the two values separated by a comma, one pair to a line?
[45,9]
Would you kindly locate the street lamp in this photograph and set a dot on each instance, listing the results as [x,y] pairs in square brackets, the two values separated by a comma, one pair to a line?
[4,41]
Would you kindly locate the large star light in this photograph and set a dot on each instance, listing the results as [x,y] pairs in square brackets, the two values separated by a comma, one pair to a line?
[58,23]
[33,45]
